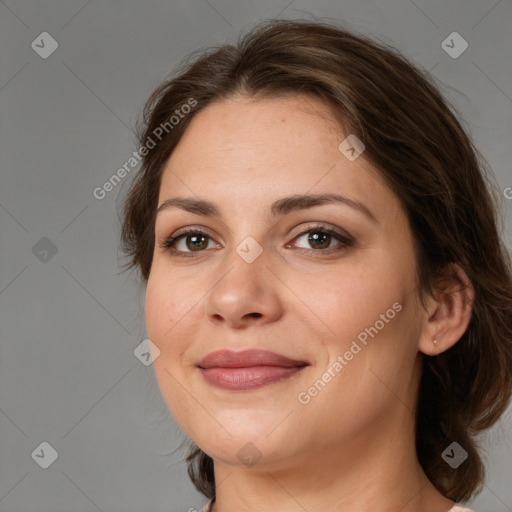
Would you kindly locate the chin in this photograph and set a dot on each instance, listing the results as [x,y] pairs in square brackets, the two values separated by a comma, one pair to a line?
[250,447]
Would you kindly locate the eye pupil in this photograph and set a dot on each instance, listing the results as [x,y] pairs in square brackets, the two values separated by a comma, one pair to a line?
[320,238]
[197,242]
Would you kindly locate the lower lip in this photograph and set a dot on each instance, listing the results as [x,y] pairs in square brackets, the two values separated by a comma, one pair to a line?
[249,377]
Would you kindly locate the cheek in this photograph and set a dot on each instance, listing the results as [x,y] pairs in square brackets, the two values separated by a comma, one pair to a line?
[155,311]
[167,327]
[173,307]
[352,297]
[165,304]
[167,295]
[368,312]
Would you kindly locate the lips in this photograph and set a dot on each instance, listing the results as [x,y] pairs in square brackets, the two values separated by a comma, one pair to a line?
[247,358]
[248,369]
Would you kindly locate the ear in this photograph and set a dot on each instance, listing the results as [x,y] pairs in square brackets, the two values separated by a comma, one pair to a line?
[448,312]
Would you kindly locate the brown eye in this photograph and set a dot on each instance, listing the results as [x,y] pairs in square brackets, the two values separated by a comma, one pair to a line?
[196,242]
[319,240]
[188,242]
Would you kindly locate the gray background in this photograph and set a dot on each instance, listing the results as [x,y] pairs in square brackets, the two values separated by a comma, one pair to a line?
[70,321]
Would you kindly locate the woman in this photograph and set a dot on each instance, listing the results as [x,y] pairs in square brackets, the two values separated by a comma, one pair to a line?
[325,282]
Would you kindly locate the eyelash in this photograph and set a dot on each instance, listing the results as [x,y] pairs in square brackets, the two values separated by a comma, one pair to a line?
[345,241]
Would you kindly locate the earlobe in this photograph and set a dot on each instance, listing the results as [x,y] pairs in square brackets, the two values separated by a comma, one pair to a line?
[449,312]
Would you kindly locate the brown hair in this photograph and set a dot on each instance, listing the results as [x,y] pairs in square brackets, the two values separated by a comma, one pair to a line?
[417,144]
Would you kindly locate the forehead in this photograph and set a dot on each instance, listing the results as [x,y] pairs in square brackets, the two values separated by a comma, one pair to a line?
[281,125]
[263,149]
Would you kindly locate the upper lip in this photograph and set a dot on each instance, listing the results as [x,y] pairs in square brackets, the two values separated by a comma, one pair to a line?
[247,358]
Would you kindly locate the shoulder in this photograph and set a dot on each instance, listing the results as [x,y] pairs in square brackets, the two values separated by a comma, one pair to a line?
[207,507]
[459,508]
[456,508]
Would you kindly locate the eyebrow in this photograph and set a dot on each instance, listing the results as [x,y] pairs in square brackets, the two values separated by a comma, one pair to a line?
[280,207]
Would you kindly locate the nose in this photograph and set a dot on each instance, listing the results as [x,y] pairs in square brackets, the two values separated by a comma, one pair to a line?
[245,293]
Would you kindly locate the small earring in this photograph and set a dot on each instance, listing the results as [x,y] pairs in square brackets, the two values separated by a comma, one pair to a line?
[435,342]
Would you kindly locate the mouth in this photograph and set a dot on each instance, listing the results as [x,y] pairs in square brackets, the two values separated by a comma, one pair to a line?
[247,378]
[249,369]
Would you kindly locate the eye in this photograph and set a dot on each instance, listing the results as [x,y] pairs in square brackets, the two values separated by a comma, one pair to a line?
[322,239]
[188,241]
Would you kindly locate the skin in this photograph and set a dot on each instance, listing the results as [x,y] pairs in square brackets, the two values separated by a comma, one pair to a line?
[351,447]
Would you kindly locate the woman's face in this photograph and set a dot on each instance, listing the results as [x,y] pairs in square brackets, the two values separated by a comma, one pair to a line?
[330,285]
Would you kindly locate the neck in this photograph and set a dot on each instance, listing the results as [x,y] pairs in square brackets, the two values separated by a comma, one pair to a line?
[376,470]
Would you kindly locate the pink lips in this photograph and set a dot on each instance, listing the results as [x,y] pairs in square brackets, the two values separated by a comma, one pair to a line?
[248,369]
